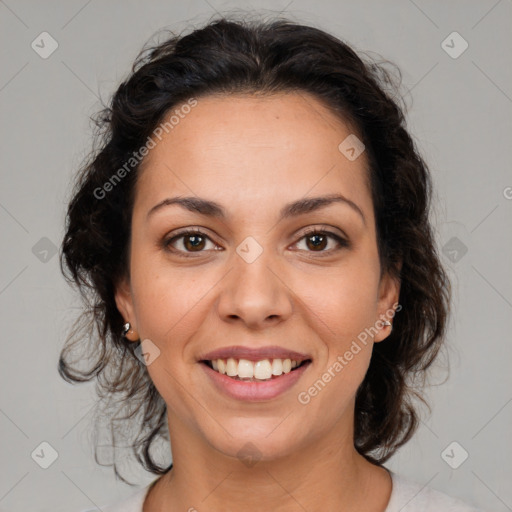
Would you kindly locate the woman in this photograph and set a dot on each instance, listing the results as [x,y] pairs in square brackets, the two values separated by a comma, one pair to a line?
[253,244]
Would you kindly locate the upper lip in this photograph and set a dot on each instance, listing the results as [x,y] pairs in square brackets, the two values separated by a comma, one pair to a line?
[254,354]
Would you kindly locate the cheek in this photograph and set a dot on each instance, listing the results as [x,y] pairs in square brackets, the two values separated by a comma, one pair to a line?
[344,299]
[166,305]
[162,295]
[344,310]
[169,306]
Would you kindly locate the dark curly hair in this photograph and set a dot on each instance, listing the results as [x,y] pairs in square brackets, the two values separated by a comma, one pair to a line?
[228,56]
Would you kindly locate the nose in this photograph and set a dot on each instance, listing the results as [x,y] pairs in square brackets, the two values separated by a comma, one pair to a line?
[255,294]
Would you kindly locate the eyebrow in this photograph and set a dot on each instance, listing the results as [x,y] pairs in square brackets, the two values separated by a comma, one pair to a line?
[293,209]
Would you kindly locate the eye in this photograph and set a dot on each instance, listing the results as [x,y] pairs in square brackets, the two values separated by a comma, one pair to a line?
[317,239]
[191,240]
[195,241]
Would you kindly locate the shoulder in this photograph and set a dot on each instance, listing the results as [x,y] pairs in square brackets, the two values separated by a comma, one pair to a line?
[410,496]
[133,503]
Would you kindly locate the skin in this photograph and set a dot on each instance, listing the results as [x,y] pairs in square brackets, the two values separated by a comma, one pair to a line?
[253,154]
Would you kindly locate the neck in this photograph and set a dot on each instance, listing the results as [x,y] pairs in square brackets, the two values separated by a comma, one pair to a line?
[327,475]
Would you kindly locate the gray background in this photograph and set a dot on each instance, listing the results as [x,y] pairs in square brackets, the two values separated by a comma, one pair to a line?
[460,112]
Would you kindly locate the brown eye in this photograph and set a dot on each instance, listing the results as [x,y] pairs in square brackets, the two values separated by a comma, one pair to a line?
[190,241]
[195,241]
[317,241]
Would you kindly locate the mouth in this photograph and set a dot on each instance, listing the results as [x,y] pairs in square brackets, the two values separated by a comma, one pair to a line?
[259,370]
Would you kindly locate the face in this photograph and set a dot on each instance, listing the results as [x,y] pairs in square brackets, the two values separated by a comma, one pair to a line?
[256,276]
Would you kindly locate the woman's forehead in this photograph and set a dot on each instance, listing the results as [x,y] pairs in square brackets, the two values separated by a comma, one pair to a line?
[282,121]
[255,148]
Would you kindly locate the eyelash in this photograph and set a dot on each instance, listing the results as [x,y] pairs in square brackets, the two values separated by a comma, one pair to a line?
[310,232]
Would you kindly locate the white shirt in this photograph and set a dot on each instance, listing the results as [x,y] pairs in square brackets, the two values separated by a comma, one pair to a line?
[406,496]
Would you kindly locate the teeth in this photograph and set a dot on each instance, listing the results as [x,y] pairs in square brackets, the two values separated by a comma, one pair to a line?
[231,367]
[260,370]
[263,370]
[245,369]
[277,367]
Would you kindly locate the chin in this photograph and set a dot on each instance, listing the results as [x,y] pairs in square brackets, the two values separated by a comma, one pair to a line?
[252,441]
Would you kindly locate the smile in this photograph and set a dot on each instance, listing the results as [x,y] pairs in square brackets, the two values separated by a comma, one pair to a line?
[253,371]
[254,389]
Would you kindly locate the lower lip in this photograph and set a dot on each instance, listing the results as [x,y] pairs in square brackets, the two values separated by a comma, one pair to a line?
[255,391]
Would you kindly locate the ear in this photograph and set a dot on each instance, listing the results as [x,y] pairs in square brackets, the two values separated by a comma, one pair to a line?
[124,303]
[389,292]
